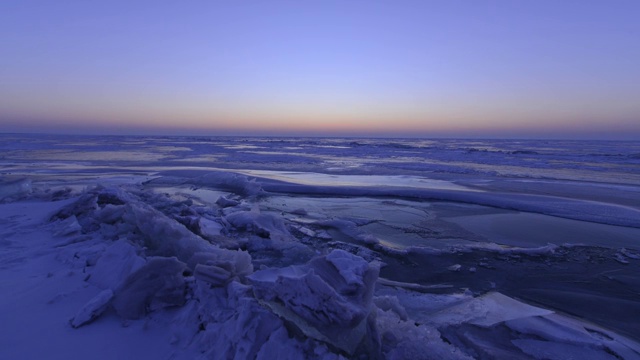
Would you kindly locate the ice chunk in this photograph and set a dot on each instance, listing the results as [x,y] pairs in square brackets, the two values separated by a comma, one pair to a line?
[212,274]
[486,310]
[68,226]
[220,266]
[351,229]
[163,235]
[159,283]
[323,234]
[110,213]
[263,225]
[620,258]
[304,231]
[236,263]
[14,188]
[115,214]
[299,211]
[328,302]
[554,329]
[116,263]
[392,303]
[236,183]
[455,267]
[94,308]
[224,202]
[350,267]
[242,335]
[83,257]
[209,228]
[412,286]
[630,254]
[236,326]
[408,340]
[420,305]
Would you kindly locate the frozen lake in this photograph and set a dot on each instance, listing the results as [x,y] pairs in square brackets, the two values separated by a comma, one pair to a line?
[553,223]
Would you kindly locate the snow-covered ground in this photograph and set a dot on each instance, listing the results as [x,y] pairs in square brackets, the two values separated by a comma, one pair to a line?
[183,248]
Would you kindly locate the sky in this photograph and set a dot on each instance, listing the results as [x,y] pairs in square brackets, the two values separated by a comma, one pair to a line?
[512,68]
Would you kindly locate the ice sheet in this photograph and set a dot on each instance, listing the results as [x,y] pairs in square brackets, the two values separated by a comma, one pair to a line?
[200,247]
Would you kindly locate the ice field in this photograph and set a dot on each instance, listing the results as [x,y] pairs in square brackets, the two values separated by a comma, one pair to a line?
[289,248]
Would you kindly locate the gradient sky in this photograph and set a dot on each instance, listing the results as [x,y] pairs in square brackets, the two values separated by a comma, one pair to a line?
[514,68]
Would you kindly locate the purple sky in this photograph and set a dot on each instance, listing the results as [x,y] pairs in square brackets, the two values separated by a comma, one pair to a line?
[562,68]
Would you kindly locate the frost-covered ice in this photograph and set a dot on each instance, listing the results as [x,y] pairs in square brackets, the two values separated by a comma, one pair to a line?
[14,188]
[261,248]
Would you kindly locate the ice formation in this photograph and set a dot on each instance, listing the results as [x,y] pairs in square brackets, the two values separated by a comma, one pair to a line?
[247,264]
[327,307]
[94,308]
[328,299]
[14,188]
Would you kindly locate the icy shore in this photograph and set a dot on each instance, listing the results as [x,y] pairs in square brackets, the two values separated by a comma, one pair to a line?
[164,257]
[153,262]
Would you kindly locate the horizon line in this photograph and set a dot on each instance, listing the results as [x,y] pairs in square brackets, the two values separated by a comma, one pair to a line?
[317,136]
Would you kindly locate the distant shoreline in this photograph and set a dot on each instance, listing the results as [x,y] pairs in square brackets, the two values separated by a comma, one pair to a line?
[314,136]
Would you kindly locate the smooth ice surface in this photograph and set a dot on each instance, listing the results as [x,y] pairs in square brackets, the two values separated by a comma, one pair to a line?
[356,180]
[553,351]
[526,229]
[487,310]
